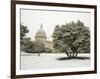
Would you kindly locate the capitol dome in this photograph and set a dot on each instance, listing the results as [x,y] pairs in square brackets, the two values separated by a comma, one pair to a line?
[40,34]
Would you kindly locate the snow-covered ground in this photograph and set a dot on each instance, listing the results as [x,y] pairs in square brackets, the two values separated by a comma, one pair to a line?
[44,61]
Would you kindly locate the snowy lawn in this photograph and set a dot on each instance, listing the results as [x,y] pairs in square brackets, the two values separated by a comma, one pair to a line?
[44,61]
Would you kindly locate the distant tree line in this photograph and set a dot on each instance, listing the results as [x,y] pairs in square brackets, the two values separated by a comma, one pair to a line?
[28,45]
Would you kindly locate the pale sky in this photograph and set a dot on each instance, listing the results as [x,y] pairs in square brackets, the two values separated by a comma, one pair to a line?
[34,18]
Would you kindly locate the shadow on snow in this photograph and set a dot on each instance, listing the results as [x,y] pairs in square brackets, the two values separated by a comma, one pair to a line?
[66,58]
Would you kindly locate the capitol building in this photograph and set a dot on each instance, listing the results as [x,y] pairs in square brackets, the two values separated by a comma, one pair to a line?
[41,36]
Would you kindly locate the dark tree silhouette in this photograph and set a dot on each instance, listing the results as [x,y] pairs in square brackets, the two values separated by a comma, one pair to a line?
[23,31]
[72,38]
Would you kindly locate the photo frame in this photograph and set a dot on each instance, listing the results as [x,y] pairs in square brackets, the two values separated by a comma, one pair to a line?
[48,10]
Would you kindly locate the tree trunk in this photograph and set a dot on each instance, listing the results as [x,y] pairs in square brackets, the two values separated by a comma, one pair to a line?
[67,54]
[71,55]
[38,53]
[76,55]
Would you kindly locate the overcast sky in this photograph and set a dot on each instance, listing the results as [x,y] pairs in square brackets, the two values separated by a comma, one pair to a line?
[34,18]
